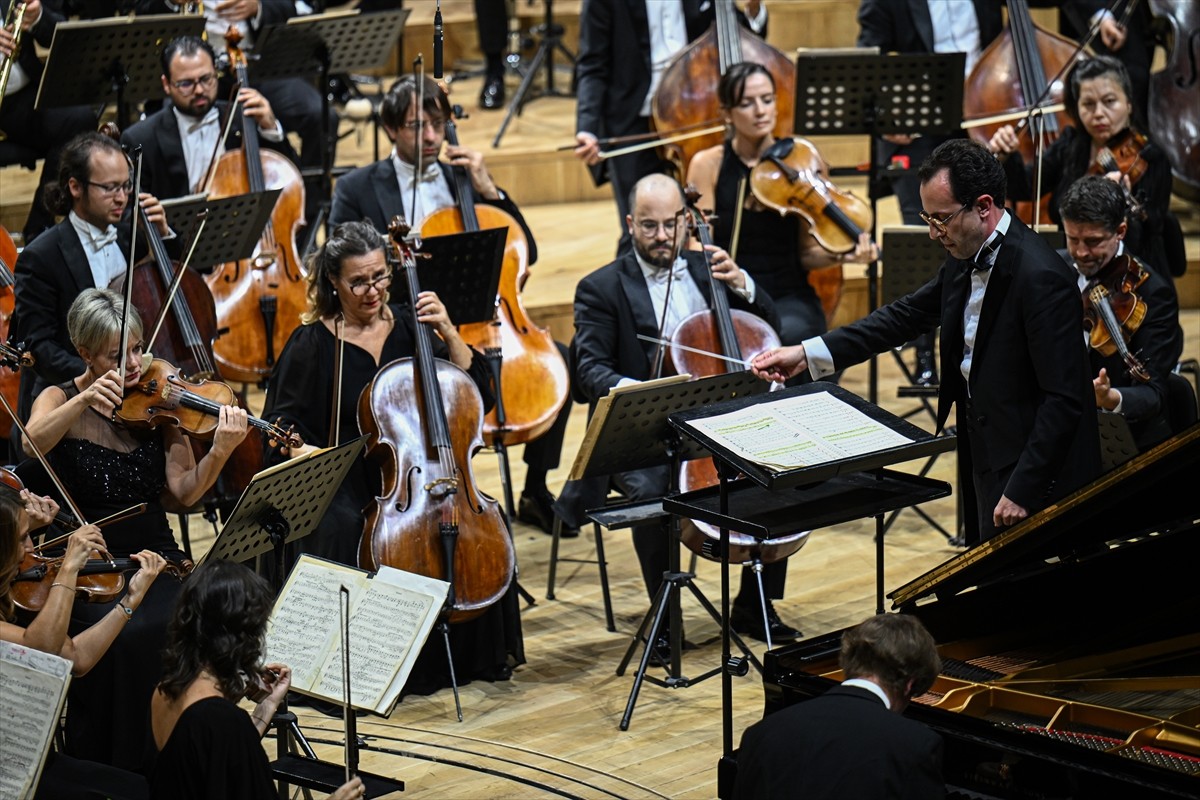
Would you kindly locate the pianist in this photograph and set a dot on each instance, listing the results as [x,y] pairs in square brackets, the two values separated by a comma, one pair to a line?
[852,741]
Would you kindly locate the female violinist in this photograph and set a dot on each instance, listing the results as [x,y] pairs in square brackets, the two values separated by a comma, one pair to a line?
[108,468]
[348,281]
[208,747]
[63,776]
[777,250]
[1097,98]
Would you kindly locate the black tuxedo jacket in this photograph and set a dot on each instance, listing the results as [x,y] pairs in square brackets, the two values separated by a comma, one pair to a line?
[1030,382]
[372,193]
[612,306]
[164,169]
[843,744]
[904,26]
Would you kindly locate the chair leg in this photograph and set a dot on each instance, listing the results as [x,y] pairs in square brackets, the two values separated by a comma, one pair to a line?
[602,562]
[183,534]
[557,533]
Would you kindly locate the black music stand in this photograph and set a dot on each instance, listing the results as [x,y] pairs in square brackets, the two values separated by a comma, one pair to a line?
[279,506]
[321,45]
[232,229]
[859,91]
[631,433]
[551,34]
[119,55]
[768,503]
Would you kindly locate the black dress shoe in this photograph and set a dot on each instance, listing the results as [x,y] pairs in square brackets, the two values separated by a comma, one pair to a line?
[748,619]
[492,96]
[537,509]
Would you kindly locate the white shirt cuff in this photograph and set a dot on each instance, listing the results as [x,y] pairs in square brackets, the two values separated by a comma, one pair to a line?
[820,360]
[1099,16]
[625,382]
[1120,401]
[758,23]
[747,293]
[273,135]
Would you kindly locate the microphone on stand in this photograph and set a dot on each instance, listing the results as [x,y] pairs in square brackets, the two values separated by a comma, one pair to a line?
[437,42]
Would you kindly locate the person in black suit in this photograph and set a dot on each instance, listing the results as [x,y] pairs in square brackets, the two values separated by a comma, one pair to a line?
[1093,212]
[380,191]
[179,140]
[44,131]
[628,297]
[1012,357]
[1124,32]
[624,46]
[852,741]
[87,249]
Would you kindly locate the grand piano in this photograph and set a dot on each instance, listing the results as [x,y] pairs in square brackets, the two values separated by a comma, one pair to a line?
[1070,644]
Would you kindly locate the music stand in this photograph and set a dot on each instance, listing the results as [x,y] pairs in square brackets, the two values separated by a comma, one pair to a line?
[233,225]
[858,91]
[321,45]
[630,431]
[768,503]
[118,55]
[551,34]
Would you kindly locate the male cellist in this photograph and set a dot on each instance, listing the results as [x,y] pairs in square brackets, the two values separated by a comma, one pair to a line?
[421,156]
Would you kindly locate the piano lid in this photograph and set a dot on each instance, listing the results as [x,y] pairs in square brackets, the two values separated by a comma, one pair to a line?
[1148,495]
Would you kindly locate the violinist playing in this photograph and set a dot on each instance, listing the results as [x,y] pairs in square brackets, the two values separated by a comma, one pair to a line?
[1094,216]
[1102,141]
[348,287]
[380,191]
[107,467]
[63,776]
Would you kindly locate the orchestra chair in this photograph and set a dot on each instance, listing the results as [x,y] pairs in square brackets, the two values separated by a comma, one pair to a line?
[1181,403]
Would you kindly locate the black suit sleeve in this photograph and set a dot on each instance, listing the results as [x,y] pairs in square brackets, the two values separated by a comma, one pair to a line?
[593,68]
[38,292]
[877,26]
[346,207]
[598,323]
[506,204]
[1158,343]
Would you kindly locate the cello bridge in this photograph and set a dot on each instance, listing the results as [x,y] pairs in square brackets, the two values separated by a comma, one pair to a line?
[442,487]
[264,259]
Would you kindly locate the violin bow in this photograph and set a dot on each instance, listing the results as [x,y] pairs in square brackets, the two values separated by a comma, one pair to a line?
[419,119]
[736,237]
[335,417]
[37,451]
[660,352]
[127,289]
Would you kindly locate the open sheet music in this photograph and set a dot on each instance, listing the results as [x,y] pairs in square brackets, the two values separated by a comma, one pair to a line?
[33,688]
[799,431]
[391,615]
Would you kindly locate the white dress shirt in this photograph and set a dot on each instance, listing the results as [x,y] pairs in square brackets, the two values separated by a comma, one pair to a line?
[105,259]
[199,140]
[955,29]
[872,687]
[433,190]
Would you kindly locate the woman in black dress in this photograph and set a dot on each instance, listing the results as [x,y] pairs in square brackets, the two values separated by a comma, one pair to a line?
[349,277]
[107,467]
[208,747]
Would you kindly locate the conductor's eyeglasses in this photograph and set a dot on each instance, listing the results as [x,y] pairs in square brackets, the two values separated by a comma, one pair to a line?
[379,283]
[189,85]
[941,224]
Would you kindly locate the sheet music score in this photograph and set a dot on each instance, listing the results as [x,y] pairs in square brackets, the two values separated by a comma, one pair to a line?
[33,688]
[799,431]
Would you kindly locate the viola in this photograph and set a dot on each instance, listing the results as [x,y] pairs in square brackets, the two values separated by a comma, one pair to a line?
[686,97]
[258,300]
[1124,155]
[101,580]
[737,335]
[1113,311]
[164,397]
[424,418]
[530,374]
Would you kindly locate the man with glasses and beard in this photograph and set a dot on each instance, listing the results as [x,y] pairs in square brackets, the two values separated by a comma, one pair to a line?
[1013,360]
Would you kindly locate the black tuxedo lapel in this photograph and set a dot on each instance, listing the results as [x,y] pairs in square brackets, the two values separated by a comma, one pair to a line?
[170,147]
[387,192]
[922,22]
[633,284]
[74,257]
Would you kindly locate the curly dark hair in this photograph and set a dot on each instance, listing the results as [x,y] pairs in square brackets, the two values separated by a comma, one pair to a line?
[10,550]
[350,239]
[218,625]
[1094,199]
[75,162]
[972,168]
[893,648]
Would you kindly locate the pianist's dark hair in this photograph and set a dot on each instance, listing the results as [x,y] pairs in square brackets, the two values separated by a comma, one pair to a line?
[894,649]
[400,97]
[184,46]
[1094,199]
[973,170]
[74,163]
[218,625]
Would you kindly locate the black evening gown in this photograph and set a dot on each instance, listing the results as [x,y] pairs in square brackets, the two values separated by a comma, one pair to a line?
[214,753]
[300,394]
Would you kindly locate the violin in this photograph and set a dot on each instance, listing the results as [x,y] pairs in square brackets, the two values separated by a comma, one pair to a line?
[529,373]
[164,397]
[1123,155]
[1113,311]
[738,335]
[11,483]
[100,580]
[258,300]
[424,417]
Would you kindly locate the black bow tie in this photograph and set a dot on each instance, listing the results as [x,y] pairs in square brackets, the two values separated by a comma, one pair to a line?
[984,261]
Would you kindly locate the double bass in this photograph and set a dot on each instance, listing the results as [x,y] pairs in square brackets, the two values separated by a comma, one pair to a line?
[424,417]
[258,300]
[1174,107]
[532,381]
[686,97]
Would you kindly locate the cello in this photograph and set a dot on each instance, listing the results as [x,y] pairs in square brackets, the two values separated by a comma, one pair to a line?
[532,381]
[1010,75]
[424,419]
[738,336]
[258,300]
[686,97]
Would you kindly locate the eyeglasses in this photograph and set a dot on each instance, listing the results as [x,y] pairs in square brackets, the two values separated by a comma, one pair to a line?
[941,224]
[379,283]
[650,227]
[416,126]
[112,189]
[189,85]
